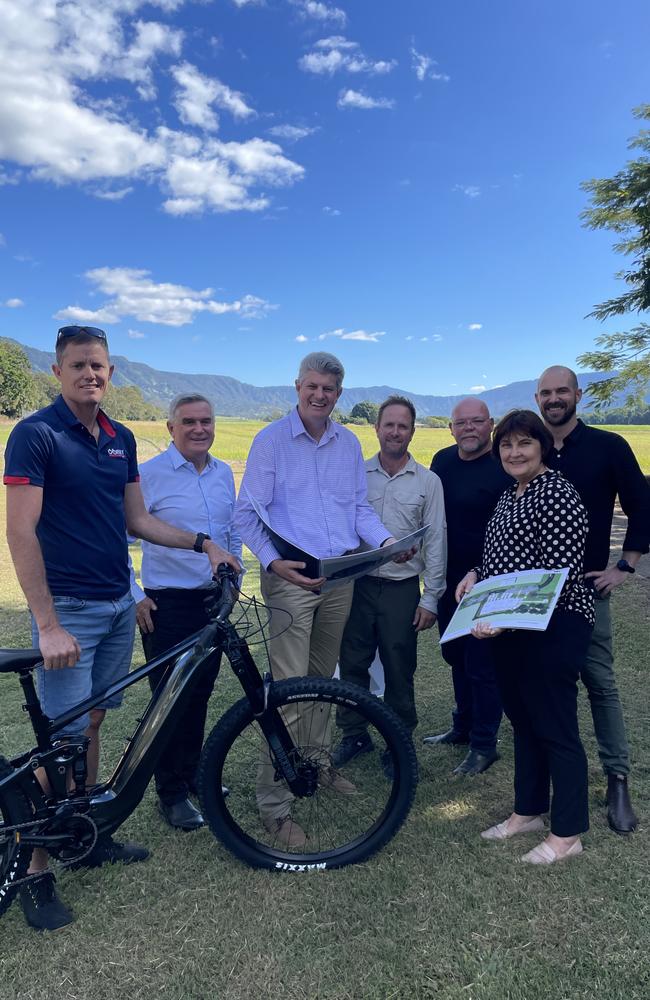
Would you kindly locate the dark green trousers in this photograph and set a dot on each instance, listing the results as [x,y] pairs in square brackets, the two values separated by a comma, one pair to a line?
[381,618]
[597,675]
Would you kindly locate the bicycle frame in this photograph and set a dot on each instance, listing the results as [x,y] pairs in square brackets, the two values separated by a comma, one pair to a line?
[111,802]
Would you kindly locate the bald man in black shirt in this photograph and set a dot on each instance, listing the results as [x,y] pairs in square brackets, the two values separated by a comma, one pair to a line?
[601,466]
[472,482]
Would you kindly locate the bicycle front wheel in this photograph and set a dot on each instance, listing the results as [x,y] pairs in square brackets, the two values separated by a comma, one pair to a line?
[14,858]
[339,815]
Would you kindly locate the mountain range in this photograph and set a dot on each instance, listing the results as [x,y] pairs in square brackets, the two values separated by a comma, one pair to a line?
[240,399]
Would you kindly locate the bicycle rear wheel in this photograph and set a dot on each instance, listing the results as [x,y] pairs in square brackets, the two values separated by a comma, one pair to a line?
[14,858]
[345,814]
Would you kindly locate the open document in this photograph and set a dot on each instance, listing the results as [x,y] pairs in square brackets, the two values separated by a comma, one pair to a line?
[337,569]
[525,599]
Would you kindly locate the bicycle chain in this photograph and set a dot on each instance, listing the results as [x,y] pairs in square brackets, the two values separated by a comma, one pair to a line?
[61,864]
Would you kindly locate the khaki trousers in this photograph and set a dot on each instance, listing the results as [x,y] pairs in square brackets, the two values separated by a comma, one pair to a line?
[308,647]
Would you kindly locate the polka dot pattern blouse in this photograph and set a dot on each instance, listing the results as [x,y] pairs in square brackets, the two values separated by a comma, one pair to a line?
[545,527]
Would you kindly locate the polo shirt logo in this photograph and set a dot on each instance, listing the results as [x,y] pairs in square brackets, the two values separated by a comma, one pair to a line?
[116,453]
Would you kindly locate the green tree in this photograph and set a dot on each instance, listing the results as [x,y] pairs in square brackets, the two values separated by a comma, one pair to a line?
[127,403]
[365,411]
[16,382]
[621,204]
[46,389]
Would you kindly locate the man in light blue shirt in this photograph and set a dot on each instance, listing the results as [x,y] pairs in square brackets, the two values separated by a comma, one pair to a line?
[187,487]
[308,475]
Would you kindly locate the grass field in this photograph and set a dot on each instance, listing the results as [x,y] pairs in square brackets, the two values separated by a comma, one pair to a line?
[437,914]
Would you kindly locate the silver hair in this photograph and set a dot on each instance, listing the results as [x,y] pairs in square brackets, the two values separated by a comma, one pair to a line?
[326,364]
[187,397]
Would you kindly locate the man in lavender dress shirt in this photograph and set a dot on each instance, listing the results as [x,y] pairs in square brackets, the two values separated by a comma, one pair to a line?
[308,474]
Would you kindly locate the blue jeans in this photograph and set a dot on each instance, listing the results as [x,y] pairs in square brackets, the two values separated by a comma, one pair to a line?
[105,631]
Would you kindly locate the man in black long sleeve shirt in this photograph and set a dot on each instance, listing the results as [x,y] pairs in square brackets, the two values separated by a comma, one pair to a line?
[601,466]
[472,482]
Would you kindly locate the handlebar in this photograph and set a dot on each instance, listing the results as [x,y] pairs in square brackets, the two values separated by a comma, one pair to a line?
[220,605]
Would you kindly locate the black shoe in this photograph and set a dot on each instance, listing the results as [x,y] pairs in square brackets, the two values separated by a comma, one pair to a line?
[109,852]
[387,765]
[620,814]
[452,736]
[181,815]
[476,763]
[350,747]
[42,907]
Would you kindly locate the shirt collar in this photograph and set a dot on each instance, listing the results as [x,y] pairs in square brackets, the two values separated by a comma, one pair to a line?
[178,460]
[374,465]
[69,418]
[575,434]
[298,428]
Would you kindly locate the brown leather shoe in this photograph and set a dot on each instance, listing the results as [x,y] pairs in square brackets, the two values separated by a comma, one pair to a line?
[331,778]
[285,832]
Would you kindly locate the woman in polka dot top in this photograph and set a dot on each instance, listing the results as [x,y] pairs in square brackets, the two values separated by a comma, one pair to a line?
[540,522]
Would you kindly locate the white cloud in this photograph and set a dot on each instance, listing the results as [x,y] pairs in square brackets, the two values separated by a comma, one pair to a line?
[372,338]
[408,338]
[291,133]
[424,340]
[328,210]
[337,53]
[14,303]
[131,292]
[320,11]
[476,388]
[355,99]
[424,67]
[469,190]
[196,93]
[437,337]
[113,195]
[52,127]
[301,339]
[136,334]
[475,326]
[3,241]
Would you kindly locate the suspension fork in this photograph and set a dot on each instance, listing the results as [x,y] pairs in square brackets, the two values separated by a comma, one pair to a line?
[256,688]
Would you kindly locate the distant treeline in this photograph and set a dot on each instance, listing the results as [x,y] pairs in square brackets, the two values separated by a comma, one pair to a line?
[120,402]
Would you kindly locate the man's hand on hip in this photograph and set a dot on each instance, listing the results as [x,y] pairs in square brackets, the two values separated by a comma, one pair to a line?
[424,619]
[143,611]
[287,569]
[605,580]
[58,648]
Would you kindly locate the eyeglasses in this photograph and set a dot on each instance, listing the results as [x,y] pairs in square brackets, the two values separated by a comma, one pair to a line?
[470,422]
[74,331]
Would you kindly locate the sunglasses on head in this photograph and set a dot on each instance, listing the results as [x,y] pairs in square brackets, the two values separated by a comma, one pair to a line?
[74,331]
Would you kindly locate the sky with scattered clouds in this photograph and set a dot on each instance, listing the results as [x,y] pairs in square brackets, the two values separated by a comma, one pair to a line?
[224,185]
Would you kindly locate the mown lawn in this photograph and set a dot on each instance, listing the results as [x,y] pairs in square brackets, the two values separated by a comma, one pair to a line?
[438,914]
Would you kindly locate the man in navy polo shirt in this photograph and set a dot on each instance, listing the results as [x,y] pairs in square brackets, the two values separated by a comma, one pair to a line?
[73,494]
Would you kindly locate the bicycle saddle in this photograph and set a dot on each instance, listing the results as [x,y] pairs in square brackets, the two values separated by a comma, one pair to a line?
[18,659]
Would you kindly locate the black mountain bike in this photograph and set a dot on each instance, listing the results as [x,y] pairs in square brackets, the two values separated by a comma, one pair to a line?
[263,747]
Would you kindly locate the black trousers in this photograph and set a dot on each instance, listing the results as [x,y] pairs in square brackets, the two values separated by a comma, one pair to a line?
[478,710]
[381,618]
[179,614]
[538,677]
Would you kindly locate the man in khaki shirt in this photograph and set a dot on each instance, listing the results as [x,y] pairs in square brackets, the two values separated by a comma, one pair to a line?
[388,610]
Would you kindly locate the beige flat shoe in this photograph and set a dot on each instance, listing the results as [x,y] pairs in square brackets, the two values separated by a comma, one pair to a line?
[502,832]
[544,854]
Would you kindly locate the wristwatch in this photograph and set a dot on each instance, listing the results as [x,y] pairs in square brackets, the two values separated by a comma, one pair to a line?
[624,566]
[199,540]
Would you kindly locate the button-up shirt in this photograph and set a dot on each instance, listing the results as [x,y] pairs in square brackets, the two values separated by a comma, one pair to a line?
[313,492]
[405,502]
[204,501]
[601,465]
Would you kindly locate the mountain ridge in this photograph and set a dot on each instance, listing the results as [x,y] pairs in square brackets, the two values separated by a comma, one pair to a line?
[234,398]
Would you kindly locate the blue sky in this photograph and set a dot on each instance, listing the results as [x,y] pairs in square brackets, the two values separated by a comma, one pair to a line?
[224,186]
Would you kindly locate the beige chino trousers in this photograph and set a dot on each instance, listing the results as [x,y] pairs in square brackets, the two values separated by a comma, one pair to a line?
[308,647]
